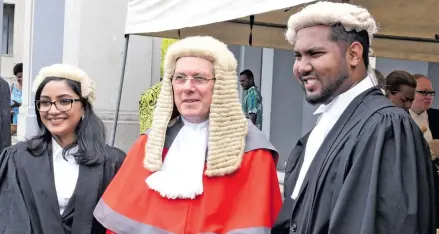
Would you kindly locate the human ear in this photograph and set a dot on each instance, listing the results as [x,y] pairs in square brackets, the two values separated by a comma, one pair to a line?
[355,54]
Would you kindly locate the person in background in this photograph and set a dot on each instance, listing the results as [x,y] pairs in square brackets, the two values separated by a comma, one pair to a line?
[147,104]
[421,111]
[52,182]
[400,89]
[211,170]
[5,115]
[16,92]
[427,119]
[364,167]
[252,104]
[149,98]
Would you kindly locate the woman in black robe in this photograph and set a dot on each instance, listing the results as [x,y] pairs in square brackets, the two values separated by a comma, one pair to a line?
[51,183]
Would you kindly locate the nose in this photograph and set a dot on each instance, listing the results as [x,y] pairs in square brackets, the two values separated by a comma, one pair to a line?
[188,85]
[428,97]
[53,110]
[303,67]
[408,105]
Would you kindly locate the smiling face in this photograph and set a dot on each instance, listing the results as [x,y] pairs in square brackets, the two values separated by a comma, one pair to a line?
[320,64]
[193,93]
[60,123]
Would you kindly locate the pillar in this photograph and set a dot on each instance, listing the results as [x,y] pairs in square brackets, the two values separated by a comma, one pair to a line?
[43,46]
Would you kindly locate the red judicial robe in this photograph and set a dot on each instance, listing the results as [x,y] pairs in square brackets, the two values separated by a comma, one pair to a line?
[247,201]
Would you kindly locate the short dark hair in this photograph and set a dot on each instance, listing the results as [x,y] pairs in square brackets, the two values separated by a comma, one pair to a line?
[18,68]
[248,74]
[397,78]
[339,34]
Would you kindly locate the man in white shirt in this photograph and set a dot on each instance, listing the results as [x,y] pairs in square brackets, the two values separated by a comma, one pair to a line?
[364,166]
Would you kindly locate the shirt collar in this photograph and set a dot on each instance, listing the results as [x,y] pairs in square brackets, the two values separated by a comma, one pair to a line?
[344,99]
[57,150]
[416,115]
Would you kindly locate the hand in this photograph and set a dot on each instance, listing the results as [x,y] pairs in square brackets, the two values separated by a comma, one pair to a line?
[434,148]
[16,104]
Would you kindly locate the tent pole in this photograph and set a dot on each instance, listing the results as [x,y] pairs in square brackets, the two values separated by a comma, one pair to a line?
[119,96]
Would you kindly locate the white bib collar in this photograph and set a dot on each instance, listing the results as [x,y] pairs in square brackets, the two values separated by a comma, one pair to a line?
[181,175]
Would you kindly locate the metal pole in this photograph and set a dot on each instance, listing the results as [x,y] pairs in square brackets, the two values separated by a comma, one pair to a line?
[119,96]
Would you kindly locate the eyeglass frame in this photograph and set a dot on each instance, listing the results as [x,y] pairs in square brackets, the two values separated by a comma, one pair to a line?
[426,92]
[53,103]
[196,78]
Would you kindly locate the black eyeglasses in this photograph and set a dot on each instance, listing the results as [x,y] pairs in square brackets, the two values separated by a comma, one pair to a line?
[62,105]
[425,92]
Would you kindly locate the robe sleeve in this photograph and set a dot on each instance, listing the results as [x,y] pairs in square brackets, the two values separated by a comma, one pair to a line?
[389,186]
[258,200]
[14,217]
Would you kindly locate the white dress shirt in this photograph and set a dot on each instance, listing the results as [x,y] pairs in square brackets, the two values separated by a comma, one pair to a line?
[66,172]
[330,113]
[422,122]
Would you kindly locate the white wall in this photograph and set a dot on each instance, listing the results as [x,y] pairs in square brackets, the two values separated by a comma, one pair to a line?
[94,40]
[8,61]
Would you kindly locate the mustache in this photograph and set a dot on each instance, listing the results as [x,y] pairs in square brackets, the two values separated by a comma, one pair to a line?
[303,77]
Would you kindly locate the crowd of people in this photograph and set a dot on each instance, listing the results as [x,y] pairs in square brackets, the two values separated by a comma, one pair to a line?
[202,164]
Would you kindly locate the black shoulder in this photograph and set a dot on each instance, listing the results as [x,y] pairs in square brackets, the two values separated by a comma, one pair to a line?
[394,112]
[433,111]
[114,153]
[10,153]
[392,118]
[20,146]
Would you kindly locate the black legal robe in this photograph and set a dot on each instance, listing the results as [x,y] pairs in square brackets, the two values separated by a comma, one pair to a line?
[5,115]
[28,200]
[371,175]
[433,122]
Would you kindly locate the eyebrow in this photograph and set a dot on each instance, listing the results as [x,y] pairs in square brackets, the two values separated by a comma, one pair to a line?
[193,74]
[59,96]
[310,50]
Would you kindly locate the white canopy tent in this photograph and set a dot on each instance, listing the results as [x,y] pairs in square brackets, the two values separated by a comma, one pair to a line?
[407,27]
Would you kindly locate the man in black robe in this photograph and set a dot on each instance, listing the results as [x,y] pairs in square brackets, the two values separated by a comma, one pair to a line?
[5,115]
[364,168]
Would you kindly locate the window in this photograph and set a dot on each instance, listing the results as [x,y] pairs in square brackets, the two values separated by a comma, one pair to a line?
[8,29]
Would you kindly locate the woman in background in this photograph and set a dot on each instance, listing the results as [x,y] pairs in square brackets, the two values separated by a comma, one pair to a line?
[16,92]
[52,182]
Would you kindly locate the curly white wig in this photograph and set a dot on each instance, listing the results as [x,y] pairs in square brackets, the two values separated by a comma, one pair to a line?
[71,73]
[351,17]
[228,126]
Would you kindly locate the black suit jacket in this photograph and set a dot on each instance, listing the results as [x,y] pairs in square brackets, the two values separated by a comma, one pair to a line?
[433,122]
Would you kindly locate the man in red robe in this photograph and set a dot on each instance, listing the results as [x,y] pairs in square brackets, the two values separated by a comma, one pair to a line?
[209,170]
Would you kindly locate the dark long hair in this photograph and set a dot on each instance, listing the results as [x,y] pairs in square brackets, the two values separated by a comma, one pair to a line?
[90,131]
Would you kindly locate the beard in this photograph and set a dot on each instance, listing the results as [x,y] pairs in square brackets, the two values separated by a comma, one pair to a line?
[329,91]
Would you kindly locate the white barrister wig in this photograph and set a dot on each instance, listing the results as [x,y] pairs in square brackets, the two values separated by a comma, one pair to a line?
[71,73]
[228,126]
[351,17]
